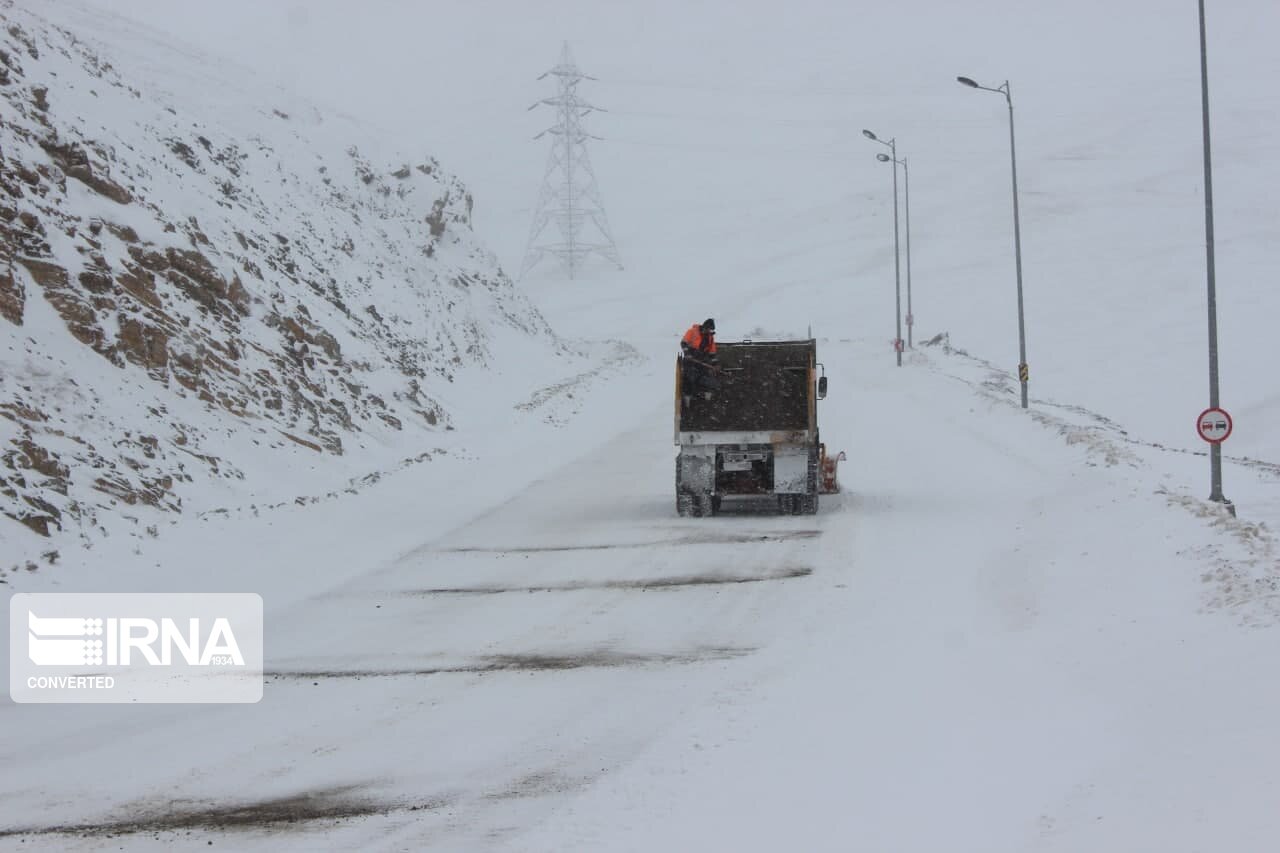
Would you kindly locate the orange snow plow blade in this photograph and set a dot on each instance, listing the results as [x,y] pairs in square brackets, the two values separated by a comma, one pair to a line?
[830,470]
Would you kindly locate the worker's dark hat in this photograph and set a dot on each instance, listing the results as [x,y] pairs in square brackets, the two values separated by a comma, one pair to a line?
[709,325]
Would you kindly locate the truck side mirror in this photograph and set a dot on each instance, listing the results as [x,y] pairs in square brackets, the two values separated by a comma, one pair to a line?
[822,387]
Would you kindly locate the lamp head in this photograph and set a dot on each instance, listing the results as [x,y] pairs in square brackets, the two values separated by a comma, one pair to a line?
[883,158]
[968,82]
[869,135]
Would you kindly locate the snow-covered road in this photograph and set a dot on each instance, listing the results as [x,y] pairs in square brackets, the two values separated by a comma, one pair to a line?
[1007,653]
[967,649]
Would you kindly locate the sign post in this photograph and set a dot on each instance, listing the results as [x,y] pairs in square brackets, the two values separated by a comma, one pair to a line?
[1214,426]
[1215,448]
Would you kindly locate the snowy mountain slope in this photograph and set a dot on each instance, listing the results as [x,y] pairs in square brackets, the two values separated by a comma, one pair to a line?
[192,284]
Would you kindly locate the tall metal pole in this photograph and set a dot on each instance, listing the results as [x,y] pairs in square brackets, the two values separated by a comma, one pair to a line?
[892,157]
[1017,253]
[897,277]
[1215,449]
[906,197]
[1017,231]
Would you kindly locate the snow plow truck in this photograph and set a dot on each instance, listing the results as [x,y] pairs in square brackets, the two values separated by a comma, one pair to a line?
[757,435]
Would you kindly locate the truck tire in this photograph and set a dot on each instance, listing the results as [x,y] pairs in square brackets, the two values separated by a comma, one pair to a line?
[807,504]
[695,505]
[684,502]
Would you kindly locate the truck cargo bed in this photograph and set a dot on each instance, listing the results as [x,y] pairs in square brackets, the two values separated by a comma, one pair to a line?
[764,386]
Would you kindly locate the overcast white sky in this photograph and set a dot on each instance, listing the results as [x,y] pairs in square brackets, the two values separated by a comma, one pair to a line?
[454,70]
[697,77]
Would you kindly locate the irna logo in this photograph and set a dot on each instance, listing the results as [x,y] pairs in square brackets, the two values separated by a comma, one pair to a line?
[143,647]
[124,641]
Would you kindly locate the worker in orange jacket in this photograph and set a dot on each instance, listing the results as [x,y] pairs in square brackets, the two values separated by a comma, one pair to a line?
[699,349]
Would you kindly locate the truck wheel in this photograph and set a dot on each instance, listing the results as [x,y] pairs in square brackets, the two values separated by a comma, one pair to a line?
[807,504]
[684,502]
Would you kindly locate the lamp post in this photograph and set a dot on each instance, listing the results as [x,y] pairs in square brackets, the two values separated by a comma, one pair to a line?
[906,212]
[897,275]
[906,200]
[1023,371]
[1215,449]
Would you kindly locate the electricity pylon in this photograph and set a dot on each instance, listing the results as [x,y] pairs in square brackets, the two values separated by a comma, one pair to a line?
[569,195]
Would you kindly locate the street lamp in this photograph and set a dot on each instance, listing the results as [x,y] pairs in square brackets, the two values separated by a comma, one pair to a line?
[906,211]
[1023,371]
[906,199]
[897,276]
[1215,448]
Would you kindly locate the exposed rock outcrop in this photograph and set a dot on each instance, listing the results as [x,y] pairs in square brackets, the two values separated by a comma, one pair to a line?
[238,280]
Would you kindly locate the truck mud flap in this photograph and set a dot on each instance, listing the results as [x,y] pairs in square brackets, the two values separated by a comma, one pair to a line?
[791,470]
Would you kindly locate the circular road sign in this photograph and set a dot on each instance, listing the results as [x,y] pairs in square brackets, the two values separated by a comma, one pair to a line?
[1214,425]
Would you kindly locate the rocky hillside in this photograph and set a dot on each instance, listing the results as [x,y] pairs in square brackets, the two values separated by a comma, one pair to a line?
[189,282]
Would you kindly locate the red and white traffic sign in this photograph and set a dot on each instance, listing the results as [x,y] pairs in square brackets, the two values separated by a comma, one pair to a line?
[1214,425]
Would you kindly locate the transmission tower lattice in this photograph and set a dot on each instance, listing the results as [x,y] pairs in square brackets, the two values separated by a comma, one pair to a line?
[569,195]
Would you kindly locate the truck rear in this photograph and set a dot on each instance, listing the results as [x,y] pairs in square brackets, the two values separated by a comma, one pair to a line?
[757,435]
